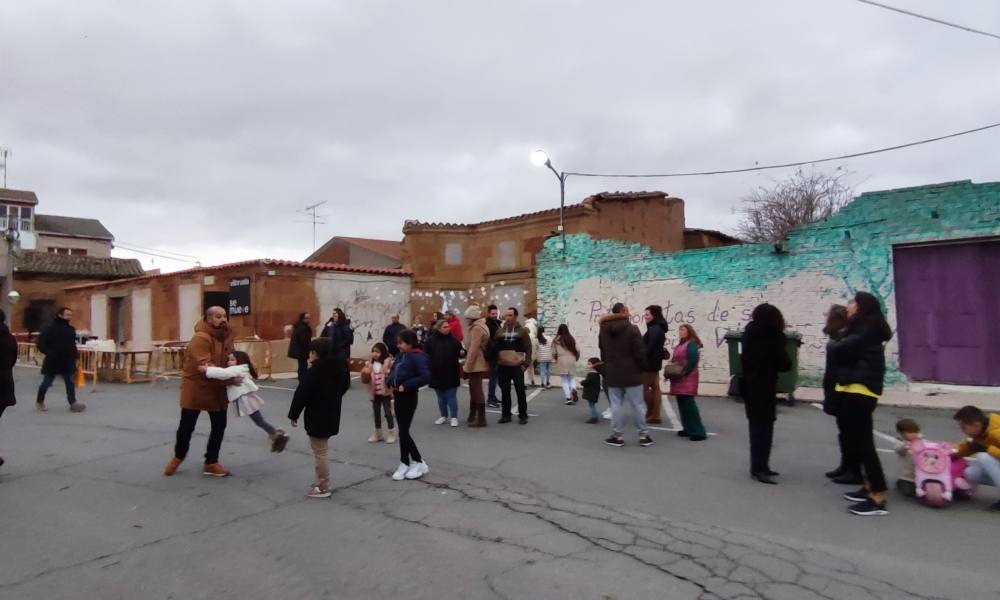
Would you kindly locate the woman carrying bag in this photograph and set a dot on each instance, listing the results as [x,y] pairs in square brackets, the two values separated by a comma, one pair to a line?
[682,372]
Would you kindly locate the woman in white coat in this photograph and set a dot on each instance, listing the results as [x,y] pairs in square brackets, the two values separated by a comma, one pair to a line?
[566,355]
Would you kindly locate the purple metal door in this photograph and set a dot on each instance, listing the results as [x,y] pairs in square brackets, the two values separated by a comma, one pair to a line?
[948,312]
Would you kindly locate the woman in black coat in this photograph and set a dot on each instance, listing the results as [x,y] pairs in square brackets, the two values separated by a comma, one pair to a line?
[298,345]
[341,335]
[444,352]
[654,341]
[836,321]
[859,360]
[8,356]
[764,356]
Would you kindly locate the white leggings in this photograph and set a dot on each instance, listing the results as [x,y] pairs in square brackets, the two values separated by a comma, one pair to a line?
[568,385]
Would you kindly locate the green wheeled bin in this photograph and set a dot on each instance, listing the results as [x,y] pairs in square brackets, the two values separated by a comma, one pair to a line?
[787,381]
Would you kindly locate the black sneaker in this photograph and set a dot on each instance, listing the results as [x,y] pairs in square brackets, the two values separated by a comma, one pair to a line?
[682,433]
[494,403]
[868,508]
[568,402]
[858,496]
[522,420]
[645,440]
[593,421]
[995,507]
[504,419]
[615,441]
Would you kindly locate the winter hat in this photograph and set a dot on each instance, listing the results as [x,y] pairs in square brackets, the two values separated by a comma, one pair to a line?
[473,312]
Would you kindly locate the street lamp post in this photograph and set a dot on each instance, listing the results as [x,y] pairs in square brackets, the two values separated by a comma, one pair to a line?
[540,158]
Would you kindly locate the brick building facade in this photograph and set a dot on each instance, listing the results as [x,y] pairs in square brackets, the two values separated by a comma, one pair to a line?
[454,265]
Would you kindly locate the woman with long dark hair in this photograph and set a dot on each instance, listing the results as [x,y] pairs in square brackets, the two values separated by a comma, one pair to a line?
[764,356]
[566,355]
[859,360]
[654,340]
[410,372]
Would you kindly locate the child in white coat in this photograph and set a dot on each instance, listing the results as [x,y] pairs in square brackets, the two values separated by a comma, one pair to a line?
[244,396]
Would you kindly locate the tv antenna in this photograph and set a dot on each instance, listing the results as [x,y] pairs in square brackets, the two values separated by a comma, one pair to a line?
[4,153]
[314,218]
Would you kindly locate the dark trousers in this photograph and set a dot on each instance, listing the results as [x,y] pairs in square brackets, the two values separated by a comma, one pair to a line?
[406,407]
[849,463]
[690,416]
[761,438]
[859,441]
[382,404]
[303,367]
[506,377]
[493,384]
[189,417]
[68,378]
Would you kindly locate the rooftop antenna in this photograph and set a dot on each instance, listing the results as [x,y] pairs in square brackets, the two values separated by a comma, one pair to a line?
[310,211]
[4,153]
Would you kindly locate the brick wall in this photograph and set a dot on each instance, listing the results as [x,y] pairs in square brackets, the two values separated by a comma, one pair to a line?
[715,289]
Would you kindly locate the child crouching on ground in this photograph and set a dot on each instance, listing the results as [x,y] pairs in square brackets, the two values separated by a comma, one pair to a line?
[909,432]
[319,394]
[592,387]
[243,396]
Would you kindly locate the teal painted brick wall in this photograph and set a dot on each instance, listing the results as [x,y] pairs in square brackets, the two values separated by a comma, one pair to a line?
[714,289]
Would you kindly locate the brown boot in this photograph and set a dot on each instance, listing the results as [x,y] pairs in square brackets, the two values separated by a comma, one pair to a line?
[472,415]
[481,414]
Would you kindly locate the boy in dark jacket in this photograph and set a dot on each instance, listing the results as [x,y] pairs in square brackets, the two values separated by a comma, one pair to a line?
[592,387]
[320,394]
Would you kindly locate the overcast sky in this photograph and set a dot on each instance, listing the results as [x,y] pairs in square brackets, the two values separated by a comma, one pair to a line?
[202,127]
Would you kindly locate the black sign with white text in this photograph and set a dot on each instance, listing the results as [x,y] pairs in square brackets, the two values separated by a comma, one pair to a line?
[239,296]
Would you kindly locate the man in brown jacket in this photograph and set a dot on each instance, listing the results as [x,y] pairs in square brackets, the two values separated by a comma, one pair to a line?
[476,367]
[211,346]
[624,356]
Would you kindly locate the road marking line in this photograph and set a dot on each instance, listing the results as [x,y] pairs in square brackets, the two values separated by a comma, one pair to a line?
[884,436]
[671,430]
[532,395]
[668,408]
[497,412]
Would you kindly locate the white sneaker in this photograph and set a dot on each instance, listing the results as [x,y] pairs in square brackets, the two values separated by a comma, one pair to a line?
[607,414]
[441,421]
[401,471]
[317,492]
[454,422]
[417,470]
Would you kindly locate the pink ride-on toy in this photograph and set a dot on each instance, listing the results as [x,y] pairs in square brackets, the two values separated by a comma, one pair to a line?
[938,475]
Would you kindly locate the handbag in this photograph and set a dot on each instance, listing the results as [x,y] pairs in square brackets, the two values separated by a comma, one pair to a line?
[673,370]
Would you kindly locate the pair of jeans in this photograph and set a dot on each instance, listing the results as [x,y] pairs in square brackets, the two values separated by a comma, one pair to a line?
[508,376]
[68,378]
[303,367]
[690,416]
[593,408]
[544,372]
[568,385]
[448,402]
[651,395]
[189,417]
[494,379]
[983,469]
[382,404]
[761,440]
[859,440]
[258,420]
[321,448]
[633,397]
[406,407]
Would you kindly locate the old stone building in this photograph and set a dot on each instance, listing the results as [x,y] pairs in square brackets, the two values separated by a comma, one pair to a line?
[454,265]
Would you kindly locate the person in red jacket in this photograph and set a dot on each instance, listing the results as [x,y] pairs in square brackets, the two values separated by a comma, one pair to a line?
[455,325]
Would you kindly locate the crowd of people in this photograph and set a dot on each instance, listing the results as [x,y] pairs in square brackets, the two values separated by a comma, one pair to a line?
[490,352]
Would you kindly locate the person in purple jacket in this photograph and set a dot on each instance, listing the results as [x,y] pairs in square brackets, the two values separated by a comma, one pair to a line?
[410,372]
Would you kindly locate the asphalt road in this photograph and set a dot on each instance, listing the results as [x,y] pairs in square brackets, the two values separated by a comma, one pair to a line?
[539,511]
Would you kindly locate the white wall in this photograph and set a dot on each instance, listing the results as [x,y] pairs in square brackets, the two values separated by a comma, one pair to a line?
[142,320]
[802,298]
[99,316]
[188,309]
[368,300]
